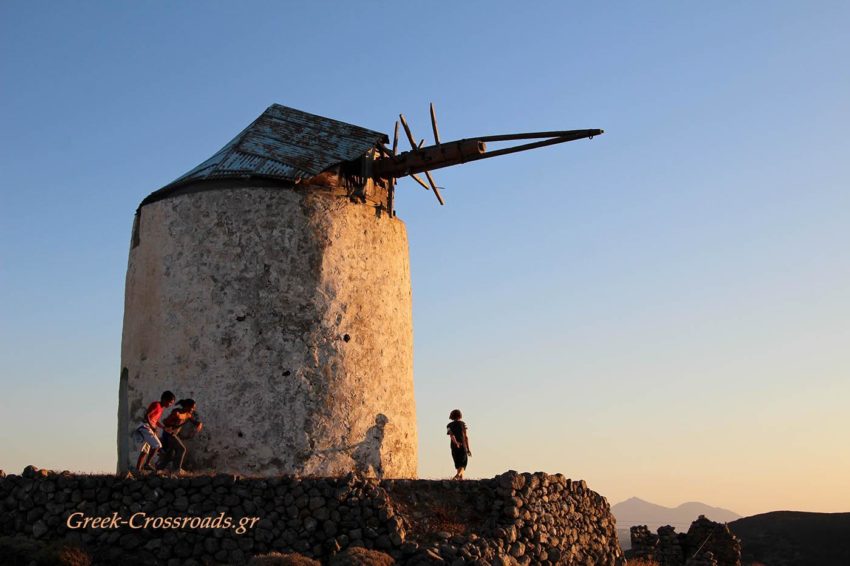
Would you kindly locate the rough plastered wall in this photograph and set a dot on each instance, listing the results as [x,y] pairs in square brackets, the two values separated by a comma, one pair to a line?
[286,314]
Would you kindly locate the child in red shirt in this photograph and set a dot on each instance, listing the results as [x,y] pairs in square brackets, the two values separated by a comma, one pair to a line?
[147,429]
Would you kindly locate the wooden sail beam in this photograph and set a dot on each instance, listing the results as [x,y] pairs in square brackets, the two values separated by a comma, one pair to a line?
[419,160]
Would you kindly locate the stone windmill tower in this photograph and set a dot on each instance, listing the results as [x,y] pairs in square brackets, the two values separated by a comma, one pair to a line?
[271,283]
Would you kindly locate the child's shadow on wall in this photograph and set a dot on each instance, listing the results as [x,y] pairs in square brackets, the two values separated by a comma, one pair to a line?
[367,454]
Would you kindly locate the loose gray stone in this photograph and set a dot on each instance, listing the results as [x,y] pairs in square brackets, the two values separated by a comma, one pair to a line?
[39,529]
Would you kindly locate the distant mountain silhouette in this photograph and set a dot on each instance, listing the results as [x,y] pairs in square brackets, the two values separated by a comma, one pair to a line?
[635,511]
[794,538]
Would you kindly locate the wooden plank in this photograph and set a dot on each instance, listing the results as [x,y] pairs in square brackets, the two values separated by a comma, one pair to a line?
[434,187]
[407,131]
[434,125]
[421,182]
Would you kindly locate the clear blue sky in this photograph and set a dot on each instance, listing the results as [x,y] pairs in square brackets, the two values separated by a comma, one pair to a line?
[662,311]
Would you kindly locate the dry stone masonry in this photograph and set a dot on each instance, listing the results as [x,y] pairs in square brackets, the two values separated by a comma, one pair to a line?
[705,544]
[510,519]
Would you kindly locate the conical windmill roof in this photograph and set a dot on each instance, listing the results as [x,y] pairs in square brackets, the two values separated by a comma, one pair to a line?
[283,144]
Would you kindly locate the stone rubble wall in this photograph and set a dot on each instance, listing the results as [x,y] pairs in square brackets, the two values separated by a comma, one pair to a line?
[510,519]
[705,544]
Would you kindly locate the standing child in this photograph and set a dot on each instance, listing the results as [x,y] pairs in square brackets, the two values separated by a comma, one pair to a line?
[147,430]
[460,442]
[174,450]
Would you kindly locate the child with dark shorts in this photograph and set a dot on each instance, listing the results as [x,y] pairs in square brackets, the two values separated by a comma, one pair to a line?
[174,451]
[459,443]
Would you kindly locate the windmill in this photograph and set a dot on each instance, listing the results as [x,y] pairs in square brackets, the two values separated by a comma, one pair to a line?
[393,165]
[271,282]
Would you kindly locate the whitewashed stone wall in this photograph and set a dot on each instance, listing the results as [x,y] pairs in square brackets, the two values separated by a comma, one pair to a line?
[286,314]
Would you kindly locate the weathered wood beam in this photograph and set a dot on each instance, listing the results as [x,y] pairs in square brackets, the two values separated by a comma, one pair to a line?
[434,125]
[453,153]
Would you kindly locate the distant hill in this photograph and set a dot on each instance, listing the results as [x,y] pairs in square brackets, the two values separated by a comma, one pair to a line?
[794,538]
[635,511]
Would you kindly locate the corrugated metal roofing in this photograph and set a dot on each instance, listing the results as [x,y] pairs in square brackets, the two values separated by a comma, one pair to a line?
[285,144]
